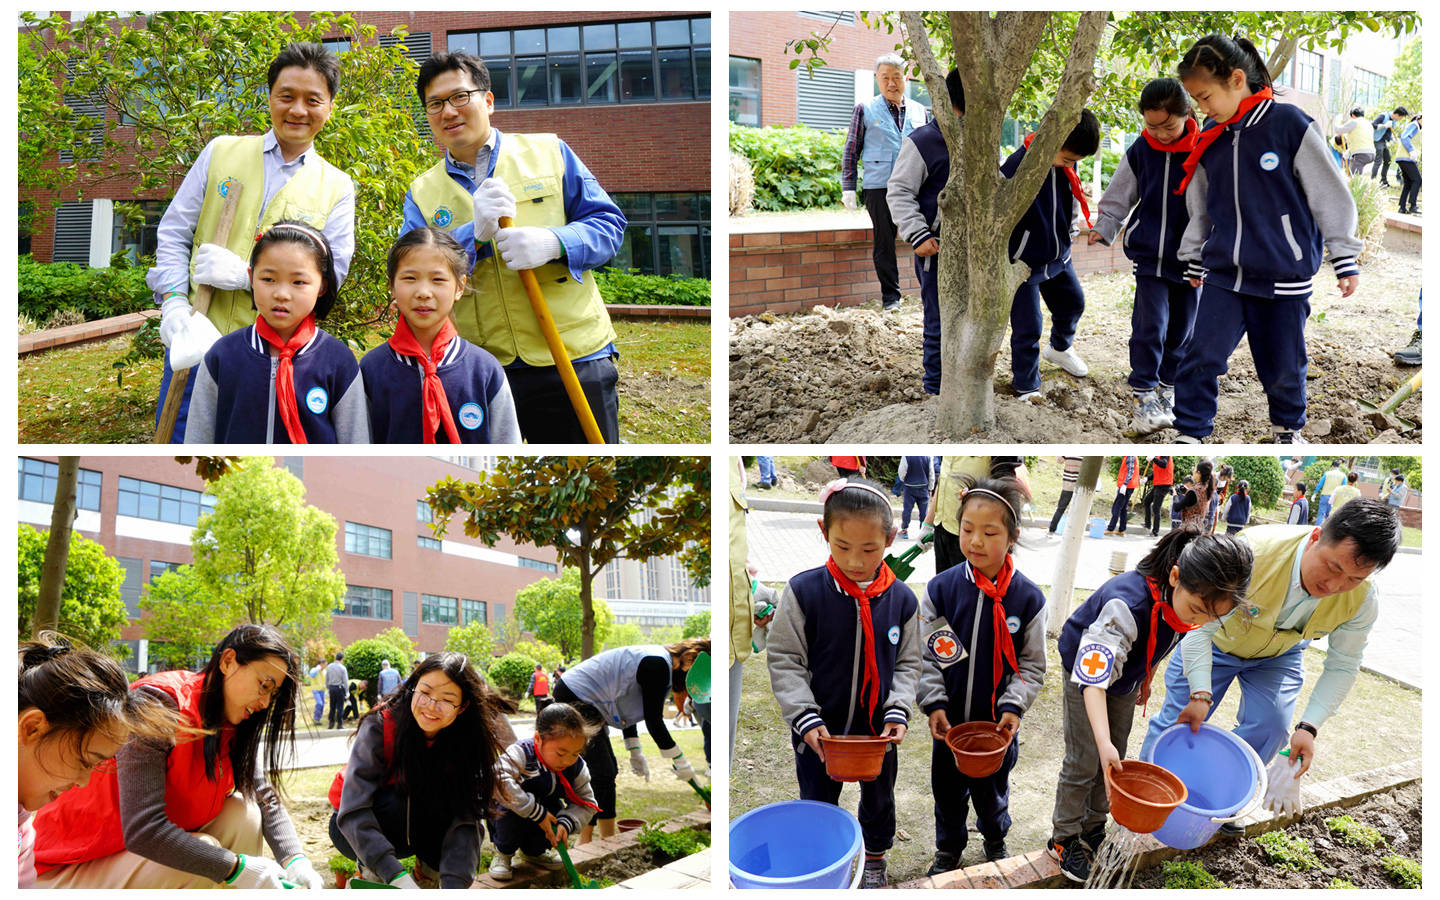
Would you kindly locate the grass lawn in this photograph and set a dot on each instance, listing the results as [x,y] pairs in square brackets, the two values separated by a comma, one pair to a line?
[76,395]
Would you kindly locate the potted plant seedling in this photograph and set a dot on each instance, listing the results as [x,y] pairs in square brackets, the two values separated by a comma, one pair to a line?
[342,867]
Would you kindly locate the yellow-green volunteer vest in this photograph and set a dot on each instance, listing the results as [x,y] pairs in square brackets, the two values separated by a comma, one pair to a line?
[495,311]
[308,197]
[1361,138]
[1256,637]
[947,487]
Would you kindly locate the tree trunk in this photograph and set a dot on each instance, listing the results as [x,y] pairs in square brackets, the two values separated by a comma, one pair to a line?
[57,547]
[978,206]
[1064,580]
[587,578]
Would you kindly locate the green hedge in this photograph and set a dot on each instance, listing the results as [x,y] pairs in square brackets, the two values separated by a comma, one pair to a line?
[795,167]
[629,286]
[98,293]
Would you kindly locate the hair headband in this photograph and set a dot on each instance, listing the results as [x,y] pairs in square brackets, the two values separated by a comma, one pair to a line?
[1014,516]
[841,484]
[306,230]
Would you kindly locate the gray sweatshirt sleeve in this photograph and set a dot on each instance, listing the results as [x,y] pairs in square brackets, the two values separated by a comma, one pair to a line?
[509,776]
[902,194]
[364,773]
[1114,628]
[907,672]
[575,815]
[1025,686]
[1192,242]
[930,692]
[275,821]
[140,771]
[788,660]
[200,418]
[1330,201]
[504,424]
[1119,198]
[351,414]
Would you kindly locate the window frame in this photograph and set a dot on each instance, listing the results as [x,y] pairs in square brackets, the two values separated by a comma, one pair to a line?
[372,602]
[354,534]
[648,219]
[165,495]
[434,605]
[744,93]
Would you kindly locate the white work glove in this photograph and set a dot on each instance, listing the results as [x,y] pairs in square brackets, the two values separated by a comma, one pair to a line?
[1282,797]
[219,268]
[848,198]
[638,765]
[492,200]
[683,770]
[404,880]
[257,872]
[300,871]
[527,246]
[188,336]
[174,316]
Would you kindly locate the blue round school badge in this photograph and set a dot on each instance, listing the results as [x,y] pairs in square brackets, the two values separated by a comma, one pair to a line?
[1093,664]
[442,216]
[894,634]
[1013,624]
[224,187]
[316,400]
[1268,161]
[471,416]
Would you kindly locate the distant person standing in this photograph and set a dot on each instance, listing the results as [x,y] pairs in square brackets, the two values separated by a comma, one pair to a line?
[337,679]
[317,688]
[1385,125]
[1396,492]
[1162,482]
[1325,490]
[1359,140]
[1069,477]
[389,679]
[876,129]
[848,466]
[540,687]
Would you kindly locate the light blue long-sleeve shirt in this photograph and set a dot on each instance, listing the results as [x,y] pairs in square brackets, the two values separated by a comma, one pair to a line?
[175,236]
[1342,661]
[1405,136]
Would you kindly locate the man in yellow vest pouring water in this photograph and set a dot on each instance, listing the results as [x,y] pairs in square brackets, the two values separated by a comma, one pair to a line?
[564,226]
[1306,583]
[282,178]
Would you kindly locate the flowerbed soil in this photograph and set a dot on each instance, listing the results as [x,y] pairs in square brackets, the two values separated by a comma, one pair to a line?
[853,373]
[1241,863]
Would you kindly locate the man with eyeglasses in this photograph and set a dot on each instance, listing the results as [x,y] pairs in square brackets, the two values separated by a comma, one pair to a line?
[564,226]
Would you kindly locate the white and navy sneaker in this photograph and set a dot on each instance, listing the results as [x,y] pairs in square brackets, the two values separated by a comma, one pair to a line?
[1066,359]
[1150,415]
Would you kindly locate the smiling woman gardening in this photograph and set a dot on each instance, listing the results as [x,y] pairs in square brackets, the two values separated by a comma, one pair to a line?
[191,815]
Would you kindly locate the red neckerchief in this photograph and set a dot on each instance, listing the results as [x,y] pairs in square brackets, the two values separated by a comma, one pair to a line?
[1209,135]
[285,376]
[1158,608]
[1074,180]
[1004,643]
[564,782]
[1183,144]
[432,393]
[870,678]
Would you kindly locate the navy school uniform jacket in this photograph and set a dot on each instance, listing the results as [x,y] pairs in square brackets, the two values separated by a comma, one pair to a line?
[963,688]
[525,787]
[234,398]
[475,387]
[1265,203]
[1041,239]
[1239,511]
[921,169]
[1103,642]
[1141,199]
[814,655]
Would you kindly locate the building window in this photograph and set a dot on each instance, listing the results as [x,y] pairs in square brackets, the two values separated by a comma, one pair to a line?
[137,239]
[38,478]
[594,63]
[473,611]
[423,512]
[665,234]
[367,540]
[427,543]
[652,580]
[1369,89]
[158,568]
[745,91]
[26,224]
[612,581]
[130,587]
[336,46]
[162,502]
[1308,70]
[72,232]
[366,602]
[679,581]
[437,610]
[536,564]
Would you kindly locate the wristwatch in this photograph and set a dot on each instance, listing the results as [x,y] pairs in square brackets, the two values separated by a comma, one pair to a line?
[1306,726]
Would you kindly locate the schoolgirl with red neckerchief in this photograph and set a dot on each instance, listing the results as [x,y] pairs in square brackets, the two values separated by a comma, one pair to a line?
[1266,202]
[984,661]
[1110,647]
[844,657]
[282,380]
[1141,199]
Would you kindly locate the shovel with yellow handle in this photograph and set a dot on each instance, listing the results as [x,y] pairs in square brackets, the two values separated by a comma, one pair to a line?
[557,351]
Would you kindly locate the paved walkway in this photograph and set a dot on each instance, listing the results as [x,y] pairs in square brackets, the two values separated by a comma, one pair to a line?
[784,544]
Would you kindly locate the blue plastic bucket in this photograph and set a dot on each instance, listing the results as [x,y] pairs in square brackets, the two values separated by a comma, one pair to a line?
[795,844]
[1097,528]
[1223,775]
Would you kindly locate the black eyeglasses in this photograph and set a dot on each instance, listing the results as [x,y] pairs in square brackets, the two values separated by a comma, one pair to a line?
[458,100]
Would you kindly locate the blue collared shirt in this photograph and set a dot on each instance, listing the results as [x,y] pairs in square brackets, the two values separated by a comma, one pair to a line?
[175,235]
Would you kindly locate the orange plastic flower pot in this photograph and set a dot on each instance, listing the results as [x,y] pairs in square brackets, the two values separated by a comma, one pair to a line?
[979,747]
[854,757]
[1142,795]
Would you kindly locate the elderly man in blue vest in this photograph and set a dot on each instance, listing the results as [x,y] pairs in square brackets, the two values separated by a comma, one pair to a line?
[876,129]
[283,177]
[564,226]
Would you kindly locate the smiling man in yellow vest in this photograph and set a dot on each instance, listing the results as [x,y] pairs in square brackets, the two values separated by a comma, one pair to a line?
[565,225]
[1306,583]
[282,178]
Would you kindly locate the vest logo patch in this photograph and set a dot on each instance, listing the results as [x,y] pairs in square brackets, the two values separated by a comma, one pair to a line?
[894,634]
[1013,624]
[533,188]
[224,187]
[316,400]
[442,217]
[1093,664]
[471,416]
[1269,161]
[944,646]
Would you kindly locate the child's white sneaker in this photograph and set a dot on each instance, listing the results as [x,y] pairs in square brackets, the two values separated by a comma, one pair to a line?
[550,859]
[1166,393]
[500,868]
[1029,397]
[1149,414]
[1286,436]
[1066,359]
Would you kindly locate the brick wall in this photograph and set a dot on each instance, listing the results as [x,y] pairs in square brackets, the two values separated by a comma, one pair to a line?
[762,36]
[790,271]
